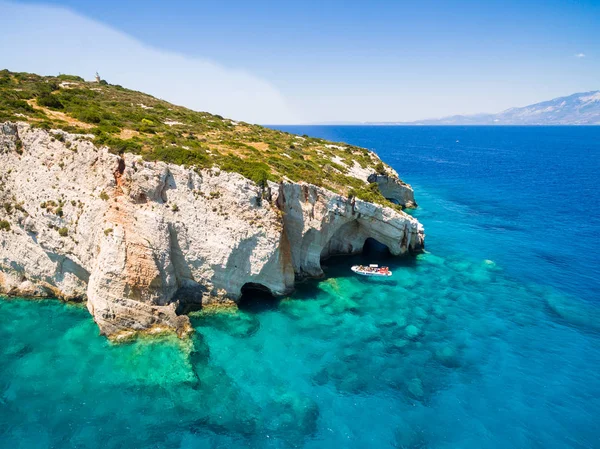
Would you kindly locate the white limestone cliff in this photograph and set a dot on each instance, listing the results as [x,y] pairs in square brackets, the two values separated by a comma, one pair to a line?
[394,189]
[319,224]
[139,241]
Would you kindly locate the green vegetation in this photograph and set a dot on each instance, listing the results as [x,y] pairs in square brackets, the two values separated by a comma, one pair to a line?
[369,193]
[63,232]
[128,121]
[380,168]
[258,172]
[177,155]
[4,225]
[64,77]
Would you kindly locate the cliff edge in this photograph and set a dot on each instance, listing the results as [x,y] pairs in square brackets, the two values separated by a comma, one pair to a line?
[137,240]
[145,210]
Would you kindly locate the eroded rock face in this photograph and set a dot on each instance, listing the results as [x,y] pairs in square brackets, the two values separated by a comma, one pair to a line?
[394,189]
[319,224]
[136,240]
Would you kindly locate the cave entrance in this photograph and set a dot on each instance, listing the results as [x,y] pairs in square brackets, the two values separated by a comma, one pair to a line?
[256,298]
[353,239]
[375,249]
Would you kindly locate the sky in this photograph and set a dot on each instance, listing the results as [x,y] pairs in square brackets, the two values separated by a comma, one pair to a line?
[316,61]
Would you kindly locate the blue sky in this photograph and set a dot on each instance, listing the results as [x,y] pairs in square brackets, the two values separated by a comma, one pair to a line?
[284,62]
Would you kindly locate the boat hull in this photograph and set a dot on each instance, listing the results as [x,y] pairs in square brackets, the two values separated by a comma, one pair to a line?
[357,270]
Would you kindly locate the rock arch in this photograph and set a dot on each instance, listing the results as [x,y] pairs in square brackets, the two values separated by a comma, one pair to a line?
[319,224]
[347,239]
[355,237]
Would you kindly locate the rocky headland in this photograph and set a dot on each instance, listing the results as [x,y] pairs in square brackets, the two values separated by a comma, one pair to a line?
[142,240]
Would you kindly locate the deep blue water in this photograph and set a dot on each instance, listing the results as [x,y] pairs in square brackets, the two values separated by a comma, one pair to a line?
[526,197]
[489,340]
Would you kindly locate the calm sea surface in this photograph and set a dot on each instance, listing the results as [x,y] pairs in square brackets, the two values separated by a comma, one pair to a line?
[489,340]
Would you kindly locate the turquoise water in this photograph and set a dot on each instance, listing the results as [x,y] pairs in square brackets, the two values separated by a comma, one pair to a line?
[490,340]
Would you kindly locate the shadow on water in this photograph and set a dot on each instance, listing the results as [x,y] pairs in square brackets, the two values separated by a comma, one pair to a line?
[373,252]
[257,298]
[375,249]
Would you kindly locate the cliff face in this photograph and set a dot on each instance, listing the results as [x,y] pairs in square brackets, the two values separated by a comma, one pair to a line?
[319,224]
[138,241]
[394,189]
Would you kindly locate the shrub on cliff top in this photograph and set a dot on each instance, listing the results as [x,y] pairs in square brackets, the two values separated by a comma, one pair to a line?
[88,115]
[117,145]
[256,171]
[65,77]
[5,79]
[380,169]
[179,156]
[50,101]
[369,193]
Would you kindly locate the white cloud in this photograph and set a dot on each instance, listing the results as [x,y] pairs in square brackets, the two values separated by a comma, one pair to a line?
[49,40]
[579,55]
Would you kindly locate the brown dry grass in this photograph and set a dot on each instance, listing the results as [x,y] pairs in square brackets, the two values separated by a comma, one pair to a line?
[59,115]
[224,149]
[128,134]
[260,146]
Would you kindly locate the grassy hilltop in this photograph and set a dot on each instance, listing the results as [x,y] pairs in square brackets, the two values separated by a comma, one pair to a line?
[128,121]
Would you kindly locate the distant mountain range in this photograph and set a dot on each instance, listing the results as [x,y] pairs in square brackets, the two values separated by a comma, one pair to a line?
[577,109]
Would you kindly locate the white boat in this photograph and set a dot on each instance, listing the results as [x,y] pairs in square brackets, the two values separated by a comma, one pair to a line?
[371,270]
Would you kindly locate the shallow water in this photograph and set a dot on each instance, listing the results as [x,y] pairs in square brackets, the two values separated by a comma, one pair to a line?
[490,340]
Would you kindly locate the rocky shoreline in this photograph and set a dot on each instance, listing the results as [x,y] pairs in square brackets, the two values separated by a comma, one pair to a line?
[139,241]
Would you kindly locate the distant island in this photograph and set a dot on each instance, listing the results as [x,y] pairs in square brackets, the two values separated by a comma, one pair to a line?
[578,109]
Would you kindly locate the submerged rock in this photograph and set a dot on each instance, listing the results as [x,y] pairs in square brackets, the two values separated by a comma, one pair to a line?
[420,313]
[415,388]
[447,356]
[412,331]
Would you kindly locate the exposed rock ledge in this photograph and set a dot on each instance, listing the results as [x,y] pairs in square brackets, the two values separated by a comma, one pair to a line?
[394,189]
[140,240]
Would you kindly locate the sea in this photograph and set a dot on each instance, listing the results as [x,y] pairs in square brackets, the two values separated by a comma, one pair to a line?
[489,339]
